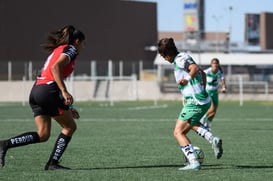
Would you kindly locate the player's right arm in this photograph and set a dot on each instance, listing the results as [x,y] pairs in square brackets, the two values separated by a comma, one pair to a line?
[204,77]
[193,70]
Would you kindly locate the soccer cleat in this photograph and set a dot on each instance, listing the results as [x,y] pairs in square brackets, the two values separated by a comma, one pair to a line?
[191,166]
[56,167]
[186,163]
[217,147]
[3,151]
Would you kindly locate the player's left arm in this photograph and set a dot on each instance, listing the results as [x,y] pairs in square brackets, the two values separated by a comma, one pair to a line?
[224,88]
[58,78]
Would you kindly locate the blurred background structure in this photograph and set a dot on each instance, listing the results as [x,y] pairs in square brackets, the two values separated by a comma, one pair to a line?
[116,30]
[121,54]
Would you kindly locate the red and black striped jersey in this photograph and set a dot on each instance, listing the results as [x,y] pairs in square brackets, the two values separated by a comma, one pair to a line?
[46,76]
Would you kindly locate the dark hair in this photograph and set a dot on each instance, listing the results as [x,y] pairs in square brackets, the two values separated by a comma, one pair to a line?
[166,46]
[218,62]
[65,35]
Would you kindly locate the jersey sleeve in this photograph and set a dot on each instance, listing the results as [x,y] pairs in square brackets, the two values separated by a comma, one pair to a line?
[206,70]
[222,75]
[71,52]
[184,61]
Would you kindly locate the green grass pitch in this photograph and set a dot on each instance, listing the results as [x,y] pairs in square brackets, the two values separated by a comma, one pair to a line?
[134,141]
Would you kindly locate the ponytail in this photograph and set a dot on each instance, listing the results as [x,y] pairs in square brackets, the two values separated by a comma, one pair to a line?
[65,35]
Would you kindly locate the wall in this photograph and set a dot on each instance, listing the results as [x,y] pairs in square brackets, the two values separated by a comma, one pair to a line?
[18,91]
[114,29]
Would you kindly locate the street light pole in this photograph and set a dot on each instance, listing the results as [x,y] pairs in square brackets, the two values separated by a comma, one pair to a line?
[230,28]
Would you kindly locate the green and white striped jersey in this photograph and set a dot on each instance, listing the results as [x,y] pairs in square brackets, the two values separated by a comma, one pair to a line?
[213,79]
[194,91]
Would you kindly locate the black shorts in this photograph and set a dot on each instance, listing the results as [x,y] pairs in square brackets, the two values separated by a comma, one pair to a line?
[46,99]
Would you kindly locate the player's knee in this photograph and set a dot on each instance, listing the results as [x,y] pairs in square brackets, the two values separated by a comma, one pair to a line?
[213,114]
[43,136]
[177,133]
[74,128]
[70,130]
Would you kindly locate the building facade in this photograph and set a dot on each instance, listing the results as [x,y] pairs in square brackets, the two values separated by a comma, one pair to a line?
[114,29]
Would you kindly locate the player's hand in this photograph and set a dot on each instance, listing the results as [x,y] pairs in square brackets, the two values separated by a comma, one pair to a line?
[68,98]
[183,82]
[75,113]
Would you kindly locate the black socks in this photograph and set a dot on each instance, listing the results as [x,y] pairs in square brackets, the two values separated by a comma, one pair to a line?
[23,139]
[59,148]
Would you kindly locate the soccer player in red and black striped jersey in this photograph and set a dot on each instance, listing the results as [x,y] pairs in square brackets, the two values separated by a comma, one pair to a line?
[49,97]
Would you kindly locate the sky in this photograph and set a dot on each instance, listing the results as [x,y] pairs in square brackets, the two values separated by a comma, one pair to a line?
[218,17]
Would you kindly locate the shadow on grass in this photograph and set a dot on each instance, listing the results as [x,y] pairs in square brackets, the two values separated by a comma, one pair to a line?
[253,166]
[141,167]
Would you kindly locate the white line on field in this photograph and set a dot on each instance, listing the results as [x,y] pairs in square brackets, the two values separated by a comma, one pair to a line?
[140,119]
[148,107]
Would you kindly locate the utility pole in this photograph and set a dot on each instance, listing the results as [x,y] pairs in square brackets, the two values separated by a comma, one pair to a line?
[230,28]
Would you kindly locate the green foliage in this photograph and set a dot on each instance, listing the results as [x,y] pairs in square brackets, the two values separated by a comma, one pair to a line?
[134,141]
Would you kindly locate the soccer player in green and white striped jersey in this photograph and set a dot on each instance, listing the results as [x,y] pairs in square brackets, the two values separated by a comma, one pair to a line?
[215,76]
[191,81]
